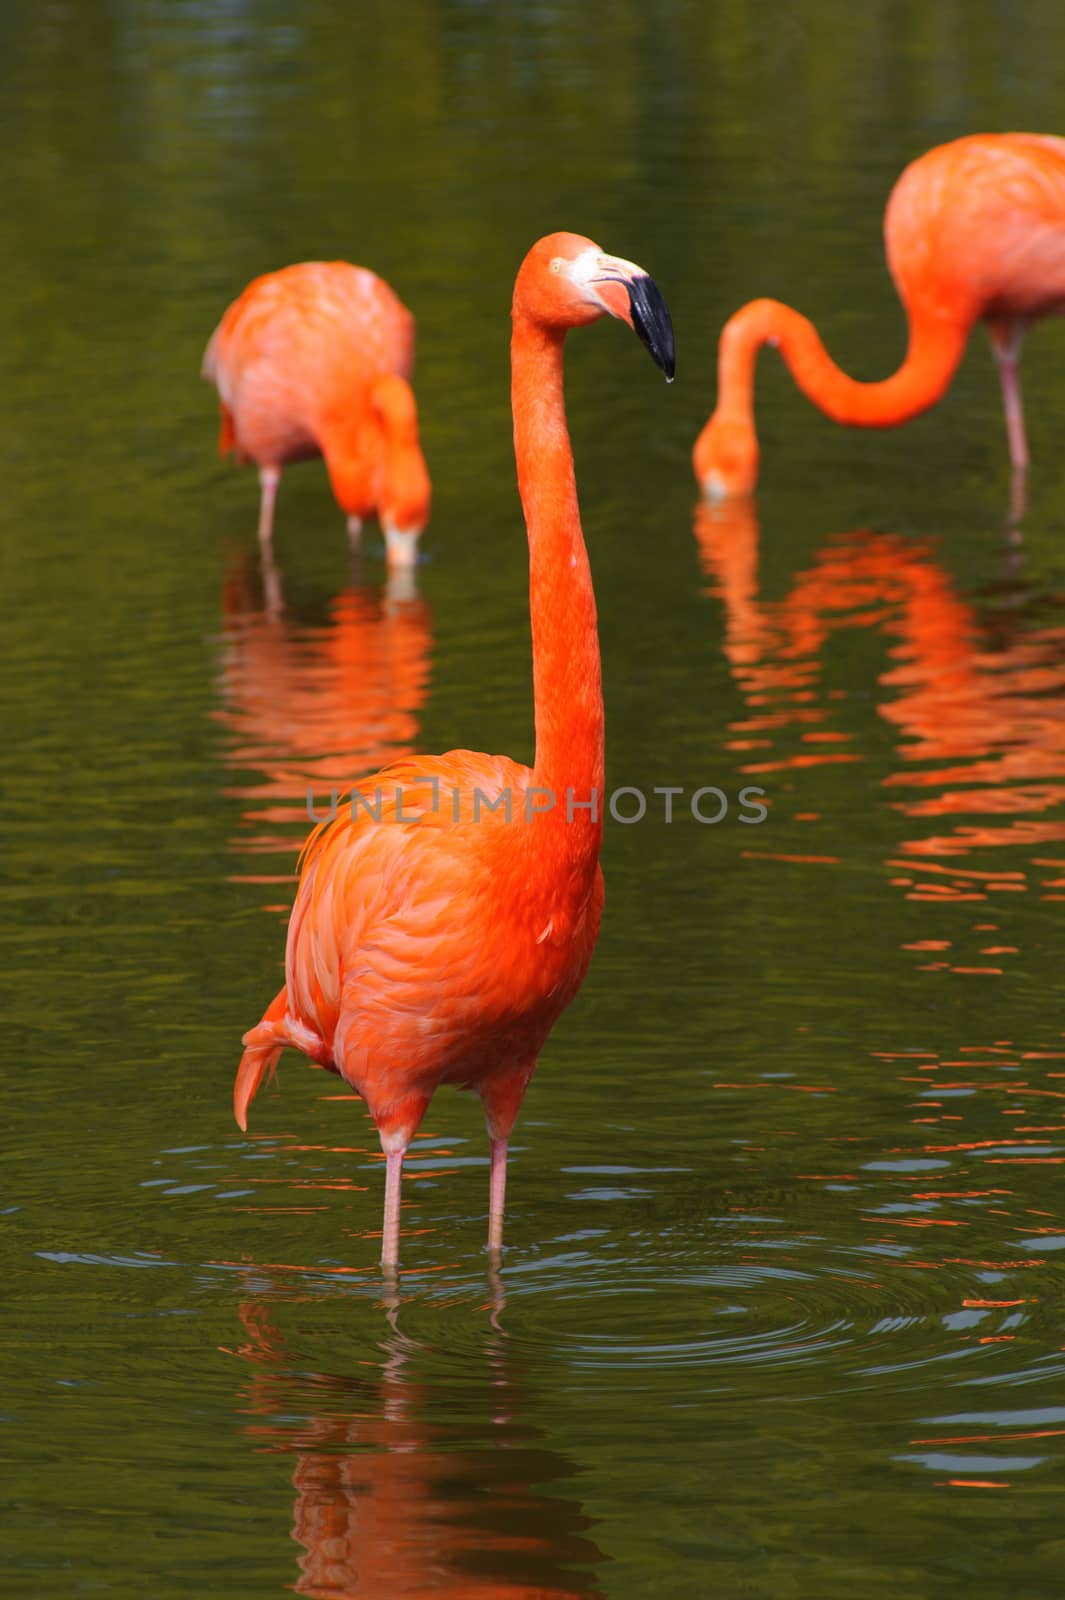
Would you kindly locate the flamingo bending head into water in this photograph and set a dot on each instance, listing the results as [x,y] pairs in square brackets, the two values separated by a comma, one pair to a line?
[315,360]
[974,231]
[446,918]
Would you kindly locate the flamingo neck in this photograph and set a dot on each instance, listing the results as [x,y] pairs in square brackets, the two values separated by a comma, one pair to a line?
[567,679]
[351,444]
[402,487]
[936,345]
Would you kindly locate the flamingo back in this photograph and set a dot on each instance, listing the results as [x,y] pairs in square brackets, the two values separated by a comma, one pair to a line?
[302,345]
[976,228]
[380,895]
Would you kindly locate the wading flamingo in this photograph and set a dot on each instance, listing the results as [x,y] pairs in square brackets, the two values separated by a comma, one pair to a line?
[446,917]
[315,360]
[974,231]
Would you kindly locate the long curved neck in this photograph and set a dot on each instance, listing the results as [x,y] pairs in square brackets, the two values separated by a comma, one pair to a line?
[567,679]
[351,443]
[935,348]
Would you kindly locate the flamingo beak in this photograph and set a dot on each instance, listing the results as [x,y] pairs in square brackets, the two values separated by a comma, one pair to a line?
[652,323]
[628,293]
[401,545]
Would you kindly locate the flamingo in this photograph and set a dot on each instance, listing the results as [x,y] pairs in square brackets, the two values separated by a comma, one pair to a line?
[446,918]
[316,360]
[974,231]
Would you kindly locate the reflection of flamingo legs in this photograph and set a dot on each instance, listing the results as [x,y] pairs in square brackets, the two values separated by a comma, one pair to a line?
[1018,503]
[389,1487]
[273,594]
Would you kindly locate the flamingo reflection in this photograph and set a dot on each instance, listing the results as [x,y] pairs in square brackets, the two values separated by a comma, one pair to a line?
[390,1503]
[310,707]
[978,700]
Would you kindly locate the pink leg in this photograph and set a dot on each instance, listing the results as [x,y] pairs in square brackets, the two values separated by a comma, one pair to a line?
[390,1230]
[269,478]
[497,1193]
[1006,339]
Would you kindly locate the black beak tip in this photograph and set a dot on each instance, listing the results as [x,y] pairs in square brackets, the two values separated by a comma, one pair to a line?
[652,322]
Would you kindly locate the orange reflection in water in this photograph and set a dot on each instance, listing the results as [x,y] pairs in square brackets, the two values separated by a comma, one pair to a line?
[979,704]
[389,1503]
[312,707]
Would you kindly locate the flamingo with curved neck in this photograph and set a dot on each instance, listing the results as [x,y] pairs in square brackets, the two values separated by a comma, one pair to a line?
[974,231]
[316,360]
[447,917]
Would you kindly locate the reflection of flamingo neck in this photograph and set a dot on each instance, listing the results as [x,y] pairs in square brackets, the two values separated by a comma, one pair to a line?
[727,535]
[567,683]
[777,645]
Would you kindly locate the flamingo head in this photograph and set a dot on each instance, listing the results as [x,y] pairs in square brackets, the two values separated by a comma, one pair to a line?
[566,281]
[725,457]
[404,491]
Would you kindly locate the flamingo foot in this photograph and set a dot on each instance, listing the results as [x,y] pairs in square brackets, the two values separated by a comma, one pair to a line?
[497,1194]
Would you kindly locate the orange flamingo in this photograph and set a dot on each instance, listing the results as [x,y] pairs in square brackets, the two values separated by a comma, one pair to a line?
[315,360]
[974,230]
[445,921]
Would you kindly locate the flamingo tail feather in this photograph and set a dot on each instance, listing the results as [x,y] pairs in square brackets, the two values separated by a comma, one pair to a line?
[263,1045]
[227,433]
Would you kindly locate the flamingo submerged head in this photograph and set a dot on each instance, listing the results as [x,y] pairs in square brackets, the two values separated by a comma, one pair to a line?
[567,281]
[725,457]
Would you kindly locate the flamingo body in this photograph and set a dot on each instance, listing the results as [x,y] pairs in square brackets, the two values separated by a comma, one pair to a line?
[974,231]
[447,916]
[424,951]
[315,360]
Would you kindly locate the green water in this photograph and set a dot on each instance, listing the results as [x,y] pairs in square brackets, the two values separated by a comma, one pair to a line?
[781,1309]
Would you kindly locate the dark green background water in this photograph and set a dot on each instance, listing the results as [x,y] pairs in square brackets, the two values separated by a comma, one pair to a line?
[781,1313]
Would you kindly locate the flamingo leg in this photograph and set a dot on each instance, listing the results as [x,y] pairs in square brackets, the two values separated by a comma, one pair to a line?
[1006,339]
[497,1193]
[355,534]
[390,1228]
[269,478]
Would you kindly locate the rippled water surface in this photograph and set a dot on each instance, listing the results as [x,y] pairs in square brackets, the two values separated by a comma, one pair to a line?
[781,1309]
